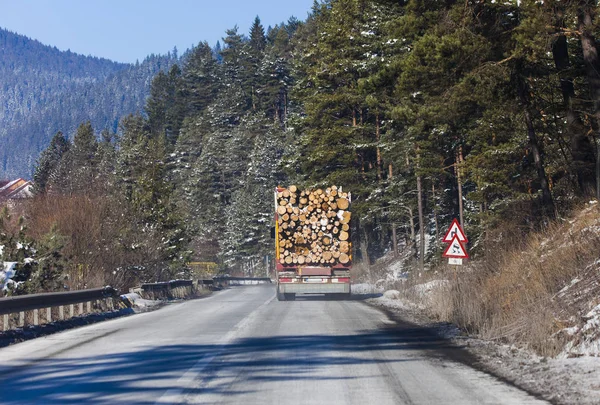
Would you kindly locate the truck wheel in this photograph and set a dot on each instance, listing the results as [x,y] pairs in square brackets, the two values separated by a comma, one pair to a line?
[280,296]
[290,296]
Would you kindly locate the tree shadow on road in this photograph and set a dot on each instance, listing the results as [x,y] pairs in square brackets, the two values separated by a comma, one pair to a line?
[143,375]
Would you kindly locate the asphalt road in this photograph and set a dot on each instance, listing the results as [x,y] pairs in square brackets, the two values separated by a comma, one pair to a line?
[242,346]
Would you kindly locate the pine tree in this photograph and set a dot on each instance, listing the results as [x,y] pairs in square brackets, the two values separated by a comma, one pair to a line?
[48,162]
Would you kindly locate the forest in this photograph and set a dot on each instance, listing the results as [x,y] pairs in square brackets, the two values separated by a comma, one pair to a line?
[424,110]
[44,90]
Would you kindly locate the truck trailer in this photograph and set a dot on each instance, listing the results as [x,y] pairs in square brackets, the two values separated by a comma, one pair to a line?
[313,250]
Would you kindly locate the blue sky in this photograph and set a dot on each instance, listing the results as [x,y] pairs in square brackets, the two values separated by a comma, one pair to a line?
[129,30]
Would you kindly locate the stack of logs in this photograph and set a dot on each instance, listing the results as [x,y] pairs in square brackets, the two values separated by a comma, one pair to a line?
[314,226]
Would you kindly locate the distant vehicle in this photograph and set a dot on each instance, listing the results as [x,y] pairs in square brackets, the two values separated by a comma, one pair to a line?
[312,242]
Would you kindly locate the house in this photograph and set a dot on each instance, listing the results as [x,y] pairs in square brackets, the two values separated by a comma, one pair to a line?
[15,189]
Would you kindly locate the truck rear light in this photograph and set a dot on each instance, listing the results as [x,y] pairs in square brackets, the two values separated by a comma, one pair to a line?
[285,280]
[343,280]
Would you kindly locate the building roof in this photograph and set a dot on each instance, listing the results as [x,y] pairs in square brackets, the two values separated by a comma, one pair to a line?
[14,189]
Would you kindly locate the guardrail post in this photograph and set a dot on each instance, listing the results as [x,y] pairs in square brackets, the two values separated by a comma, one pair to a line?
[48,314]
[61,313]
[36,317]
[80,308]
[5,323]
[21,319]
[89,307]
[71,310]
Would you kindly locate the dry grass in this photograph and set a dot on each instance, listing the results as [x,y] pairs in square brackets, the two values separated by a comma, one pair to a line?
[512,293]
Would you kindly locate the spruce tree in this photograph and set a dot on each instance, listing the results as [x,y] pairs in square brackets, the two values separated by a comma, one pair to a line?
[48,162]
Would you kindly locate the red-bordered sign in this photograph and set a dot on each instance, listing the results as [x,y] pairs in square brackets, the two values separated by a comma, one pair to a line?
[456,250]
[455,230]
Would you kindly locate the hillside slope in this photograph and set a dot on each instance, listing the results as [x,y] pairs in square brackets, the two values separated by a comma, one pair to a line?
[44,90]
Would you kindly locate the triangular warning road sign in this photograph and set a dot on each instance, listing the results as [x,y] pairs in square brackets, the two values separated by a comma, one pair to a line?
[455,249]
[455,230]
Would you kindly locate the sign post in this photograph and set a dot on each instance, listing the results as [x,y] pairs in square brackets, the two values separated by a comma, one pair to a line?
[455,251]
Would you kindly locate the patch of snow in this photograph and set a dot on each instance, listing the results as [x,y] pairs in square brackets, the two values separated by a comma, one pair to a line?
[6,275]
[137,301]
[427,288]
[392,294]
[586,341]
[366,288]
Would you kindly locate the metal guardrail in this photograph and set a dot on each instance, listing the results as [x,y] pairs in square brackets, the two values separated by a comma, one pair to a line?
[20,303]
[241,280]
[165,285]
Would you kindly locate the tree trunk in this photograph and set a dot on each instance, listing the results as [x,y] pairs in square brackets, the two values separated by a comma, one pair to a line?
[411,221]
[534,145]
[459,159]
[378,150]
[585,19]
[364,250]
[582,151]
[421,220]
[394,236]
[435,218]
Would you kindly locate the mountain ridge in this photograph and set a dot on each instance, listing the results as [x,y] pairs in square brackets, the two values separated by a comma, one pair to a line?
[44,90]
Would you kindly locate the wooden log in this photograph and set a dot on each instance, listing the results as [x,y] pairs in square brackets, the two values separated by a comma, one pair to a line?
[344,247]
[293,188]
[281,210]
[345,217]
[285,193]
[344,236]
[345,227]
[344,258]
[342,203]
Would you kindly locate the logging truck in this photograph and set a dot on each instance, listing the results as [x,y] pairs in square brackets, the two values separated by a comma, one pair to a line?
[312,242]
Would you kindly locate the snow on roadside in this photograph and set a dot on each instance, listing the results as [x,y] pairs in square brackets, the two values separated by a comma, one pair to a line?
[136,301]
[429,287]
[6,275]
[562,380]
[366,288]
[586,341]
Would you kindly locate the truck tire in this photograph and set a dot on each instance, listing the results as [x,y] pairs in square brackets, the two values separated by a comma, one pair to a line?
[280,295]
[290,296]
